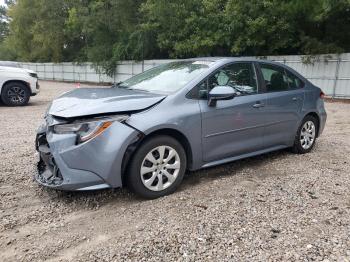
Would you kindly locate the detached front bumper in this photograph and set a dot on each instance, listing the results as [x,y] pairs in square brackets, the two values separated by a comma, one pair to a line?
[96,164]
[54,172]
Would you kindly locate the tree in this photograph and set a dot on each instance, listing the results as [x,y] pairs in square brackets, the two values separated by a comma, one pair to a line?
[6,53]
[187,28]
[107,31]
[219,27]
[248,27]
[4,28]
[260,28]
[37,30]
[322,25]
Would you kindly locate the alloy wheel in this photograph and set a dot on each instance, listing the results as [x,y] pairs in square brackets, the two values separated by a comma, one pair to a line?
[307,135]
[16,95]
[160,168]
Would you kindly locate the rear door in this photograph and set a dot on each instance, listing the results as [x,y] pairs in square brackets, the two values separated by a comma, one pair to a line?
[285,98]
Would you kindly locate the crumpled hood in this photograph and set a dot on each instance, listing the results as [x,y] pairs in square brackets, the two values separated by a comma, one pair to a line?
[94,101]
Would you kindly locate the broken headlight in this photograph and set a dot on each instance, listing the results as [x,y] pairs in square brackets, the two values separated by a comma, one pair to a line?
[86,130]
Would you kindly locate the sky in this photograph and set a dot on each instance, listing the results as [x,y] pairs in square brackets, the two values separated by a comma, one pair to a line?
[2,2]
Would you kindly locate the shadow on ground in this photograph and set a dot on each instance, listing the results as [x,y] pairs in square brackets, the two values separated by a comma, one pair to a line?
[208,175]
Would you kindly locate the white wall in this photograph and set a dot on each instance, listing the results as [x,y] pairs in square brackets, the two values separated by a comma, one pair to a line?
[329,72]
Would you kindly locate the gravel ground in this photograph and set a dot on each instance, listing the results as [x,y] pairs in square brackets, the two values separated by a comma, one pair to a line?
[278,206]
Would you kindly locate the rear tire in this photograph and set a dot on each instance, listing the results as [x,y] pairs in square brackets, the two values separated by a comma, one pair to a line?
[306,136]
[15,94]
[157,168]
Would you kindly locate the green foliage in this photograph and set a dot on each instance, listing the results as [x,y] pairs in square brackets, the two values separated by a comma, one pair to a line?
[260,28]
[249,27]
[107,31]
[4,28]
[37,30]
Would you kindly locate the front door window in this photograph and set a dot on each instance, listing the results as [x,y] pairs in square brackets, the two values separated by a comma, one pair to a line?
[240,76]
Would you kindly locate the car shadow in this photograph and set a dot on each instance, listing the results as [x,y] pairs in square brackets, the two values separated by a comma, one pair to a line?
[231,169]
[93,199]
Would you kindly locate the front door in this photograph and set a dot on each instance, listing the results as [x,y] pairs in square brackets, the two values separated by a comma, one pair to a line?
[233,127]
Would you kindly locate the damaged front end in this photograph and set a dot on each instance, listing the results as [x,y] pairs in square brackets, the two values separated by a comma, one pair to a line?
[85,136]
[82,153]
[48,172]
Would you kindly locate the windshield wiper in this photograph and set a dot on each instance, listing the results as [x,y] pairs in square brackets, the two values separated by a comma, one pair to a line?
[118,85]
[143,90]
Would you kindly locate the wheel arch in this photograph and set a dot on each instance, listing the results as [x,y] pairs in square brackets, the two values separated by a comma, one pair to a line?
[174,133]
[17,81]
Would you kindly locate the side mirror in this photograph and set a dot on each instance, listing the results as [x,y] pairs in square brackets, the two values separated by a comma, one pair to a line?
[220,93]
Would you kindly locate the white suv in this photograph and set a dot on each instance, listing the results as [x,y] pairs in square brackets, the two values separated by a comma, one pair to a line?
[17,85]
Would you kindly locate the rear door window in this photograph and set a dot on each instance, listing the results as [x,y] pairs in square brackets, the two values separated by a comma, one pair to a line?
[278,79]
[293,81]
[275,78]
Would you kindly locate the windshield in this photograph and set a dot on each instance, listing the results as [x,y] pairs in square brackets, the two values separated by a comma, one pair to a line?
[167,78]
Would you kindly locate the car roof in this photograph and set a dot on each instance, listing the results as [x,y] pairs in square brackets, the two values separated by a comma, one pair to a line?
[223,60]
[228,59]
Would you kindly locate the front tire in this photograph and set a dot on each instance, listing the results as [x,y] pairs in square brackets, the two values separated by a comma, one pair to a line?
[305,138]
[157,168]
[15,94]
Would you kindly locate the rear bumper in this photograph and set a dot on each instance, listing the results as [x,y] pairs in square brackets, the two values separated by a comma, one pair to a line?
[96,164]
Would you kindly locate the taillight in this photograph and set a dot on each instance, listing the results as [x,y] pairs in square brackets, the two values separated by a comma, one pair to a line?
[322,95]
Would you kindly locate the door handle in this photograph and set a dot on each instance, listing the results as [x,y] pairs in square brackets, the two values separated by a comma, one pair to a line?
[258,104]
[295,99]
